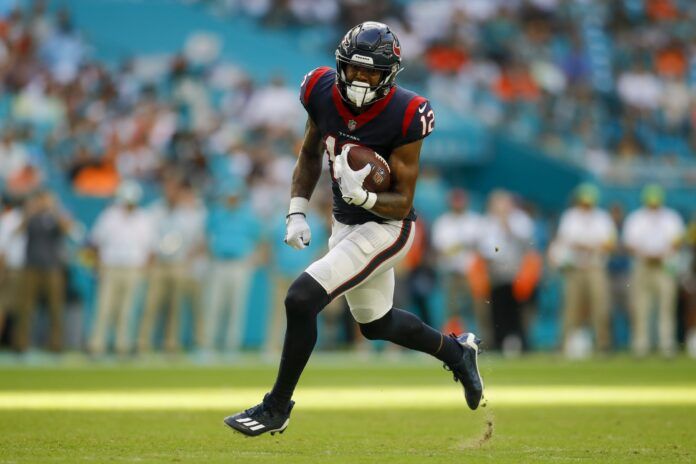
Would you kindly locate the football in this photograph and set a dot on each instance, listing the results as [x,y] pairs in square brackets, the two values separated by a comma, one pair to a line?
[379,178]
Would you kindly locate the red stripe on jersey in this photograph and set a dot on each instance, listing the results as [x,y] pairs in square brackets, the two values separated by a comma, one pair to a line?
[410,111]
[362,118]
[313,81]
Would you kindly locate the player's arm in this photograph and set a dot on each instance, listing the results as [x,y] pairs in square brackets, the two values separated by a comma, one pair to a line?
[403,162]
[304,179]
[308,167]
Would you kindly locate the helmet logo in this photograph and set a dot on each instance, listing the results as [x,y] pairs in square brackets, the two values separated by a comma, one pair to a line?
[352,124]
[362,59]
[396,48]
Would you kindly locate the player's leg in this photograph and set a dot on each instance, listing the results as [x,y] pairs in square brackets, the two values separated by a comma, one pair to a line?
[371,306]
[356,252]
[303,302]
[367,255]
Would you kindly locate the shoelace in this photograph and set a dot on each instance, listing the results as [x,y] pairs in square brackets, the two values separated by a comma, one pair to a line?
[449,369]
[261,407]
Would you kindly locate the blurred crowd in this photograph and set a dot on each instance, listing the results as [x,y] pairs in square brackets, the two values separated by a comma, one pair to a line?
[185,161]
[642,265]
[176,273]
[609,85]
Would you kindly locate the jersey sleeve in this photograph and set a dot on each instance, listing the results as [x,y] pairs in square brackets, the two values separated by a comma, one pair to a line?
[418,122]
[307,86]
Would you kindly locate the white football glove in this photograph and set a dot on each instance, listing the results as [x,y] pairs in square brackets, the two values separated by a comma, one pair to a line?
[297,232]
[351,182]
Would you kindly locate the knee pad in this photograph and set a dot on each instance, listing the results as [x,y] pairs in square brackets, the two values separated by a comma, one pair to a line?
[305,297]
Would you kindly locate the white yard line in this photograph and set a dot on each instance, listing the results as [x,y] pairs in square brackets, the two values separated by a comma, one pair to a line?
[348,398]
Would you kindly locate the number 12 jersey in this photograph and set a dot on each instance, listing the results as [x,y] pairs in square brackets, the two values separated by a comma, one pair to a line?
[399,118]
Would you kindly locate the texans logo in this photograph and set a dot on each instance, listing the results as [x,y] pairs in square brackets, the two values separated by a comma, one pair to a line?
[397,49]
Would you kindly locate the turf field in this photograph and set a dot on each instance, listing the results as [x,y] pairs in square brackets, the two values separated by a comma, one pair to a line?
[540,409]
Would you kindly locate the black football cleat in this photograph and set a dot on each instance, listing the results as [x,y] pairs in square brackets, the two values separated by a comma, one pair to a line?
[466,371]
[260,419]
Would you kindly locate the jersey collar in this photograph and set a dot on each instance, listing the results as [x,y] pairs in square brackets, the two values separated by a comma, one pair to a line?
[356,121]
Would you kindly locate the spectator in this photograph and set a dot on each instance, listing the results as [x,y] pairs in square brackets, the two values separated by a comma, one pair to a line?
[619,265]
[45,226]
[690,285]
[639,87]
[234,235]
[123,235]
[586,236]
[506,237]
[314,11]
[13,246]
[178,220]
[653,235]
[274,109]
[456,236]
[63,51]
[14,156]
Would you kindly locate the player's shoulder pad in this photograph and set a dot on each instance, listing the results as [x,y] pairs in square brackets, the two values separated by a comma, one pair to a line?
[310,81]
[418,120]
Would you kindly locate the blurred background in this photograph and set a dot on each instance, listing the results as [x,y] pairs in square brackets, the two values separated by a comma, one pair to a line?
[146,149]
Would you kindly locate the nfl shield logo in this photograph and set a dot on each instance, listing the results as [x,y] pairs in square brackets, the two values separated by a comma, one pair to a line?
[352,125]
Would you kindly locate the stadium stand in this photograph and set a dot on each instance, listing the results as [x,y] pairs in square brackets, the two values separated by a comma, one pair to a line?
[206,91]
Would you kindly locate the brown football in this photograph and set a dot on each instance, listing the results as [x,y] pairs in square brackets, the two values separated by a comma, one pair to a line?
[379,178]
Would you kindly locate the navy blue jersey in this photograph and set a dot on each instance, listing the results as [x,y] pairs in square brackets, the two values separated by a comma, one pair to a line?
[399,118]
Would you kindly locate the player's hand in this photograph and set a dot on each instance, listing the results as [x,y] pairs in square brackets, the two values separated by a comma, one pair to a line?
[297,232]
[349,181]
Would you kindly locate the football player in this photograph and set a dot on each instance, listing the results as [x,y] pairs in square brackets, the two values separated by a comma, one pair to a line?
[358,102]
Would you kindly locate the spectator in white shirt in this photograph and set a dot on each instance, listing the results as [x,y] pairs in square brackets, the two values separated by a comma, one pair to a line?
[13,155]
[586,235]
[12,258]
[123,236]
[274,109]
[506,237]
[456,235]
[179,223]
[652,234]
[639,87]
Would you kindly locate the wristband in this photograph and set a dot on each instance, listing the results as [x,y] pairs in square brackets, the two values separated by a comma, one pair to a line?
[370,200]
[298,205]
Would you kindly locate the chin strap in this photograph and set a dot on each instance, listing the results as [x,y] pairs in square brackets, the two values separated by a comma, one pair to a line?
[359,93]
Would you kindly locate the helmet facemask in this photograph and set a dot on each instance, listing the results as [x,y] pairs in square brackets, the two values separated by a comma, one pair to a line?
[360,93]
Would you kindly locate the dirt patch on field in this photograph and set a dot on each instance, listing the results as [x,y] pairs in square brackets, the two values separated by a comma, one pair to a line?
[484,438]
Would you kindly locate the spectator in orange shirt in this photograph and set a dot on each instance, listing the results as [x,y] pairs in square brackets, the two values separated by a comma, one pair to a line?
[515,83]
[671,60]
[661,10]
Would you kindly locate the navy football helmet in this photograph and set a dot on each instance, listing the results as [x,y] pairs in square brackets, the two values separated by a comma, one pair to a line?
[371,45]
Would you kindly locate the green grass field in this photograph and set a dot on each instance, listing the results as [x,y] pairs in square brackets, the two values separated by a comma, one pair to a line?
[540,409]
